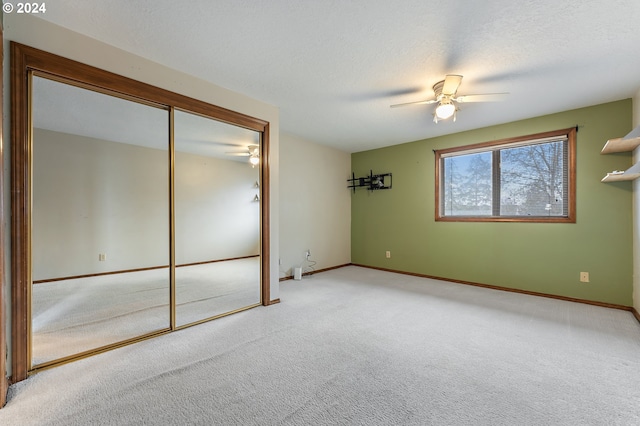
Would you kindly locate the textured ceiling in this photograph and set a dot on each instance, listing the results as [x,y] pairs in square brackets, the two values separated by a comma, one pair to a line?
[333,67]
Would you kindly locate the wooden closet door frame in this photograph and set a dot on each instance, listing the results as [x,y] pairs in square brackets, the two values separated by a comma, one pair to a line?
[24,60]
[4,383]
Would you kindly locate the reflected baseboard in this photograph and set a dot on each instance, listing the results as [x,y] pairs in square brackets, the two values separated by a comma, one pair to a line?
[217,260]
[150,268]
[98,274]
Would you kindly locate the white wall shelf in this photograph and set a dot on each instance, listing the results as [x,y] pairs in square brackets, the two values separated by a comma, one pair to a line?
[620,145]
[629,174]
[626,144]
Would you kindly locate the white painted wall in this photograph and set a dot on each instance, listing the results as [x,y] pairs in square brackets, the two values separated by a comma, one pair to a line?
[636,211]
[40,34]
[315,205]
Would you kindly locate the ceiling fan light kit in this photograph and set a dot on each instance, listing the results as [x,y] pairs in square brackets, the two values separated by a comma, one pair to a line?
[445,92]
[444,110]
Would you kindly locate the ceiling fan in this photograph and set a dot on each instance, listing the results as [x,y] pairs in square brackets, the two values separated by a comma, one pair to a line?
[253,152]
[446,98]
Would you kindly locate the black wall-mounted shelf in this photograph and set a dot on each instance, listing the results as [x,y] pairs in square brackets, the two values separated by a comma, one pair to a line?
[371,182]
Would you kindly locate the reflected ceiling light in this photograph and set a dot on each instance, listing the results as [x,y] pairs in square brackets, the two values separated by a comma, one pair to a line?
[254,155]
[252,151]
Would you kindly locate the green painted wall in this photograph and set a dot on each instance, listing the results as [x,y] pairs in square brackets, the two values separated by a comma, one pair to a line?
[544,258]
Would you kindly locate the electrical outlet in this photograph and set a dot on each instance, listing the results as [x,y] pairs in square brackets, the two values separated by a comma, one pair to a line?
[388,254]
[307,254]
[102,257]
[584,277]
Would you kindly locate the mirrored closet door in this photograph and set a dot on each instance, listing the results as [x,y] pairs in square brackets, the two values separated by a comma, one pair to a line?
[135,211]
[217,218]
[100,220]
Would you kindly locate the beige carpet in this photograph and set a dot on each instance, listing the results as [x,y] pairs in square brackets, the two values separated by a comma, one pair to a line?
[354,346]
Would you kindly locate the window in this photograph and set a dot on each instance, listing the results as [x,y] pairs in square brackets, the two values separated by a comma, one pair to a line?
[524,179]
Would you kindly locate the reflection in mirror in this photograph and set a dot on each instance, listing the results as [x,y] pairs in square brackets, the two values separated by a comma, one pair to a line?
[217,218]
[100,233]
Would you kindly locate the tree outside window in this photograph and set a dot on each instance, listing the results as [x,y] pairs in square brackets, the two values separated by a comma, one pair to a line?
[530,178]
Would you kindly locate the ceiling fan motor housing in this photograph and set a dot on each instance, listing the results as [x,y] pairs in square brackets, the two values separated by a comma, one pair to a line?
[437,89]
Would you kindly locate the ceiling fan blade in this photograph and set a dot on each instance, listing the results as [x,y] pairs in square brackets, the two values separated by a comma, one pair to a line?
[252,151]
[208,142]
[431,101]
[451,84]
[486,97]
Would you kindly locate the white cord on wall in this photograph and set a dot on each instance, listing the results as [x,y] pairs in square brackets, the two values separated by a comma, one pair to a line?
[310,267]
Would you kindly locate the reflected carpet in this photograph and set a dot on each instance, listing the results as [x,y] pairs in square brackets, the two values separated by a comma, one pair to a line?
[72,316]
